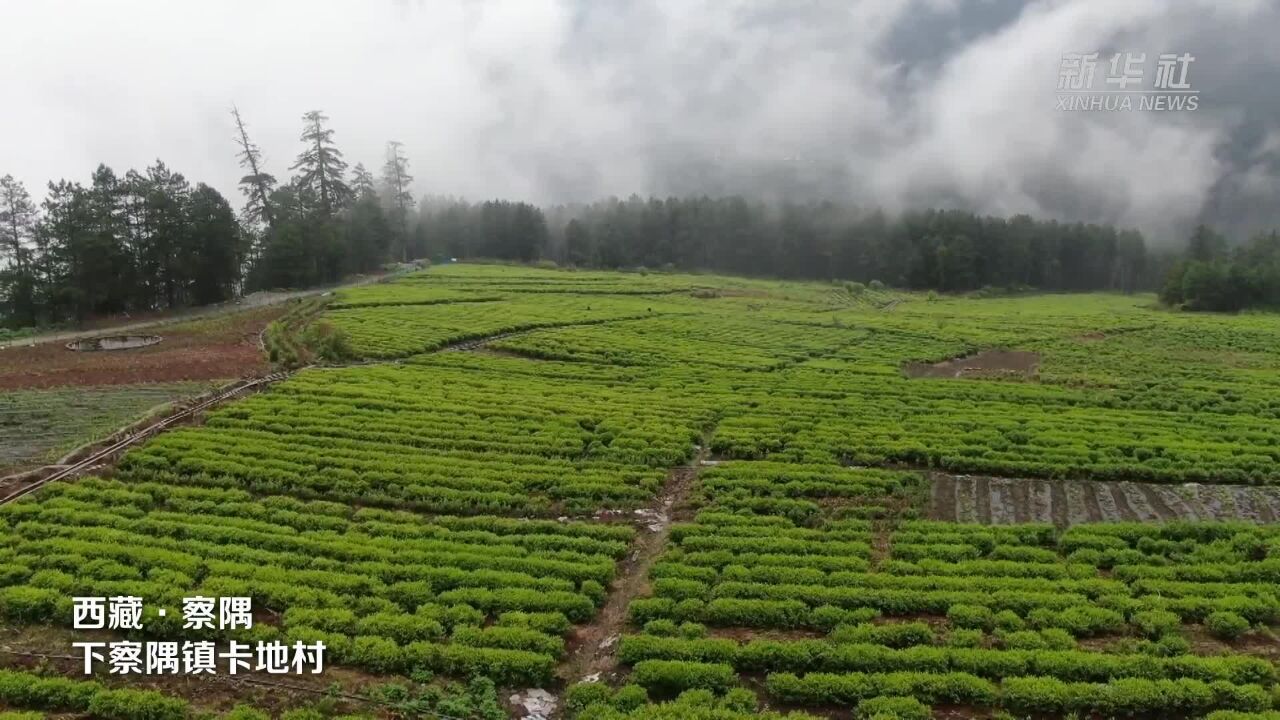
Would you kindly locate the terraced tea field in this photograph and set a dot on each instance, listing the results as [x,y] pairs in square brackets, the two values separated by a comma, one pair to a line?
[627,495]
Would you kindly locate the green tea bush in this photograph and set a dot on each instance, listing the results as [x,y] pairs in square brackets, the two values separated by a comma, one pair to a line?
[673,676]
[630,697]
[580,696]
[1156,623]
[1226,625]
[902,708]
[962,638]
[975,617]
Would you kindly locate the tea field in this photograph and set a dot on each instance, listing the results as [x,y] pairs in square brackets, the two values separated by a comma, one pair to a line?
[655,495]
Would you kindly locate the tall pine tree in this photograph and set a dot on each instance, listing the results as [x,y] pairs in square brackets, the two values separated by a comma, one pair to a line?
[18,283]
[321,167]
[396,178]
[362,182]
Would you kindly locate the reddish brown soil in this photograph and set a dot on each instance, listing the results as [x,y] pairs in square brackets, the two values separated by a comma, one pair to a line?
[986,364]
[208,349]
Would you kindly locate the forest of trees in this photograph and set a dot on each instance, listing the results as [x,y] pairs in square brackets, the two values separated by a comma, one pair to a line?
[1212,276]
[150,240]
[139,241]
[944,250]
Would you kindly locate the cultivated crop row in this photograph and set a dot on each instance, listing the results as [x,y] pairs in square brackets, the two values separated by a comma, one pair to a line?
[459,440]
[692,339]
[843,604]
[387,590]
[400,330]
[995,428]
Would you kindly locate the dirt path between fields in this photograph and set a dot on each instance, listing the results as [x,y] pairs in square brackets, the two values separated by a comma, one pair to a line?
[593,647]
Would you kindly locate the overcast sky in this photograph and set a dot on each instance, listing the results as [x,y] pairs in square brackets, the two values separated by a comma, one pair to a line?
[897,103]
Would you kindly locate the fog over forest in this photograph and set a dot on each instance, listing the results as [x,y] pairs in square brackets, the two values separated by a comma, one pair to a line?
[895,103]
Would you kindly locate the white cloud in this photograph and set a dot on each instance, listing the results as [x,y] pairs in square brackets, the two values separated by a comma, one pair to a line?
[551,100]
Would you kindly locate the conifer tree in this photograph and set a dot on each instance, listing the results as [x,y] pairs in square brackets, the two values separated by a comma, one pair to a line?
[321,167]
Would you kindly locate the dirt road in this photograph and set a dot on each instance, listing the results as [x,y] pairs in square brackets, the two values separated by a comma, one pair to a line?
[124,325]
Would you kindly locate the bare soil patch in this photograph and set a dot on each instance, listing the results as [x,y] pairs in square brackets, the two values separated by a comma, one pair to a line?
[984,364]
[127,323]
[1122,505]
[1021,502]
[982,496]
[1000,501]
[1092,508]
[210,349]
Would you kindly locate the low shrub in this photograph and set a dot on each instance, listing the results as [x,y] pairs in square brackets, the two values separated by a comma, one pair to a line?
[126,704]
[630,697]
[973,617]
[740,700]
[580,696]
[1226,625]
[1156,623]
[662,627]
[961,638]
[670,677]
[901,708]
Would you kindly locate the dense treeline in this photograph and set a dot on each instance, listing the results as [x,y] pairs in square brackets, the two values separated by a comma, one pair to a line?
[1212,277]
[943,250]
[325,222]
[495,229]
[149,240]
[139,241]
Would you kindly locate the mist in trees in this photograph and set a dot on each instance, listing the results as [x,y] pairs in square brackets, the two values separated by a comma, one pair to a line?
[148,240]
[945,250]
[397,180]
[256,185]
[1214,277]
[496,229]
